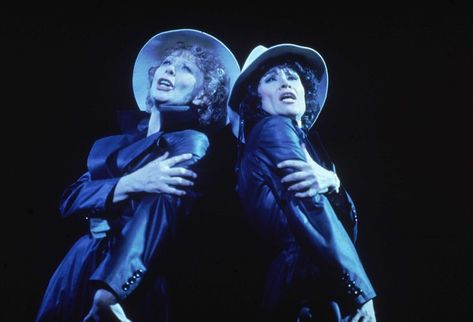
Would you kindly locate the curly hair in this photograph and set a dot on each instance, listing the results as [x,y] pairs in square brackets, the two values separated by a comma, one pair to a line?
[216,81]
[250,106]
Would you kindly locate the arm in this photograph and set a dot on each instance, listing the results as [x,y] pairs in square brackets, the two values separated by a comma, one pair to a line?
[87,196]
[312,220]
[158,176]
[94,197]
[154,218]
[309,177]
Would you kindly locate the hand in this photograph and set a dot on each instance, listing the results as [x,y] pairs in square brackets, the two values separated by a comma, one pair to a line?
[365,313]
[105,307]
[309,178]
[159,176]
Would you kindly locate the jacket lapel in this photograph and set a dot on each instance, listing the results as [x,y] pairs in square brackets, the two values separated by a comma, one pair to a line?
[128,154]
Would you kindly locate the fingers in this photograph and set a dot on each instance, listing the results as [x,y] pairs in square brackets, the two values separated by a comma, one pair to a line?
[159,160]
[295,176]
[309,193]
[178,181]
[173,191]
[297,164]
[324,190]
[181,172]
[306,194]
[163,157]
[302,185]
[178,158]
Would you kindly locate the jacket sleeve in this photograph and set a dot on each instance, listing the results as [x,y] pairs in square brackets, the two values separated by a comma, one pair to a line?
[88,197]
[313,220]
[154,220]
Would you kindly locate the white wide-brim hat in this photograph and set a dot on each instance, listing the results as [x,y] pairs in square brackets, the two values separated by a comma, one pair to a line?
[260,55]
[153,51]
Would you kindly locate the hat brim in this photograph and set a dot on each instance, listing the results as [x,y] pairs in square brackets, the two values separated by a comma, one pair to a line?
[153,51]
[305,55]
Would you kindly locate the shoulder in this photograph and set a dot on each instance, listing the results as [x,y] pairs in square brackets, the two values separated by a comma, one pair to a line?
[274,121]
[187,141]
[117,139]
[274,128]
[113,142]
[186,136]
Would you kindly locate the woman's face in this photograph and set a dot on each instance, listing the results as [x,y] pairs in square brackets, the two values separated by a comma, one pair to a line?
[282,92]
[178,79]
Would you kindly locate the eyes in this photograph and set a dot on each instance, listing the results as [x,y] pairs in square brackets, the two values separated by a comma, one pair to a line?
[270,79]
[187,69]
[274,76]
[182,66]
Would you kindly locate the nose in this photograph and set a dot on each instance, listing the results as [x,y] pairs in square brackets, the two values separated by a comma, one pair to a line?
[285,84]
[170,70]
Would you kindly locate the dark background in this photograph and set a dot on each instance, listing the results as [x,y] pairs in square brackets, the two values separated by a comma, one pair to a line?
[397,123]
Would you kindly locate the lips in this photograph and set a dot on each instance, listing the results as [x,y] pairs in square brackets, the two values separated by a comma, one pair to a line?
[287,97]
[164,84]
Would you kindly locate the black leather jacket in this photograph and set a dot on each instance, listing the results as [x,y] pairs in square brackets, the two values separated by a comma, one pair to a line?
[137,228]
[291,226]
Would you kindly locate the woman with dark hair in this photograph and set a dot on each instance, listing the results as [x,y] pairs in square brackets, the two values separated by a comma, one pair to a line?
[314,271]
[139,185]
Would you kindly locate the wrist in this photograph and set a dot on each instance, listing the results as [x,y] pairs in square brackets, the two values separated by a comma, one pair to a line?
[129,183]
[126,185]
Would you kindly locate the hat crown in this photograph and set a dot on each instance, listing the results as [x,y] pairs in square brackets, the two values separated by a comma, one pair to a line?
[255,53]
